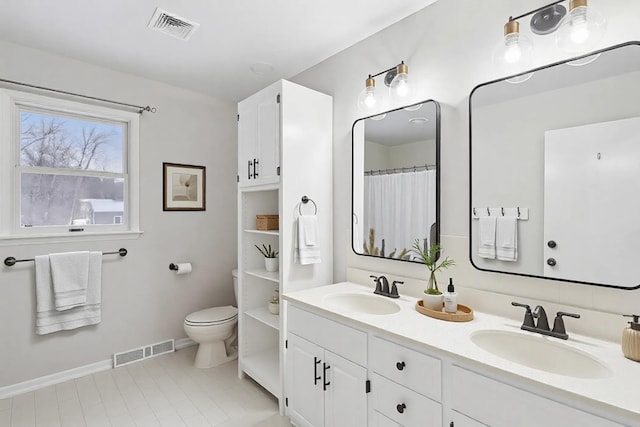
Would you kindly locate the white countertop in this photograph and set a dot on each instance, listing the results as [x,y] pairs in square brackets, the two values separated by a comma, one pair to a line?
[617,393]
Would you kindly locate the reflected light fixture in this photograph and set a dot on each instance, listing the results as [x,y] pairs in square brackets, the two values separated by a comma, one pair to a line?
[576,32]
[396,78]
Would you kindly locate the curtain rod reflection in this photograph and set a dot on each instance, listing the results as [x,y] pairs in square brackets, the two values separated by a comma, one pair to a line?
[399,170]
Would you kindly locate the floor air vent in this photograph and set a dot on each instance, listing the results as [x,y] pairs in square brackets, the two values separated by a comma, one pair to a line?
[172,25]
[130,356]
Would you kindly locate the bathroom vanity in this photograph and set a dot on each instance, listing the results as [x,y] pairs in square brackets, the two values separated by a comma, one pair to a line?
[374,366]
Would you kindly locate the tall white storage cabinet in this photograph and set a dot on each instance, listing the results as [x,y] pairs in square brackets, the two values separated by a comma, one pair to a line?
[284,153]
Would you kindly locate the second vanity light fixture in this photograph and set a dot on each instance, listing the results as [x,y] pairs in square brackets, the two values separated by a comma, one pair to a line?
[396,78]
[576,32]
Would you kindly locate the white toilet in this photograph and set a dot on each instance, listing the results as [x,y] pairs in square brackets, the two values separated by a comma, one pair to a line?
[214,329]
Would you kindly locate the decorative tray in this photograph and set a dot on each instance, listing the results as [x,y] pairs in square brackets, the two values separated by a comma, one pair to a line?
[464,313]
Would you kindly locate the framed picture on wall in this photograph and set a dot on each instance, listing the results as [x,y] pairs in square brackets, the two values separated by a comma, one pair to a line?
[184,187]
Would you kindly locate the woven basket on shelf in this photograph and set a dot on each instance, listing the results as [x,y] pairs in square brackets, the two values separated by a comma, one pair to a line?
[267,222]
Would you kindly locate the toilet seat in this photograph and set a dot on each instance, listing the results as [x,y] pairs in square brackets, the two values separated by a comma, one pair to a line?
[212,316]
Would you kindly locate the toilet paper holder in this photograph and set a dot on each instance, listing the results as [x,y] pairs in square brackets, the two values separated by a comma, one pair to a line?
[173,267]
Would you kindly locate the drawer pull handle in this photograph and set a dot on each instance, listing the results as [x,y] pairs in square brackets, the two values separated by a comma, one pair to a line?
[401,407]
[316,377]
[400,366]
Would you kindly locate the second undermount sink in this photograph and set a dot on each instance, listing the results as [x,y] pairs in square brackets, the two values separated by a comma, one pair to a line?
[361,303]
[543,353]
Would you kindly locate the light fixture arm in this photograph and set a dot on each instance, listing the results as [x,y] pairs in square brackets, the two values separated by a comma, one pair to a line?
[512,18]
[385,71]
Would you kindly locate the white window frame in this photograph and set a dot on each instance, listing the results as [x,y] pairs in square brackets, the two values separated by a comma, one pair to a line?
[10,170]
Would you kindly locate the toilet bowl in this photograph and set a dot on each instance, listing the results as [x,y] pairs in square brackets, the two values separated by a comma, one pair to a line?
[215,331]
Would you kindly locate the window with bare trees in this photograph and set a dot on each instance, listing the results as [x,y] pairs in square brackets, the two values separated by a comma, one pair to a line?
[73,167]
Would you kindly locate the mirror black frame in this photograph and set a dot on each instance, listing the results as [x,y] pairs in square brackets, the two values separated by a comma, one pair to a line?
[438,166]
[597,52]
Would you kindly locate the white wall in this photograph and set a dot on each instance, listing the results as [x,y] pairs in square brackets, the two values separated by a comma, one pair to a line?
[142,301]
[447,47]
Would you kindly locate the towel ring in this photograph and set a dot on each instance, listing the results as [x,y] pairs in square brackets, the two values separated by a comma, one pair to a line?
[306,200]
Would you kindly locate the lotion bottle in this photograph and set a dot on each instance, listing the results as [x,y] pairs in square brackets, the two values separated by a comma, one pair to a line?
[631,339]
[450,299]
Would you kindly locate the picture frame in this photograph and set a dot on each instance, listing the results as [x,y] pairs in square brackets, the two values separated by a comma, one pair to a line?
[184,187]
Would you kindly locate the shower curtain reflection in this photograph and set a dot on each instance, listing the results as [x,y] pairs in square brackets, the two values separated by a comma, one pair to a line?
[400,208]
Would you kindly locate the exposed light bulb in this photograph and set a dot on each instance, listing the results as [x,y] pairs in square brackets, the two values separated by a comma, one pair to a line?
[515,52]
[367,100]
[400,87]
[370,97]
[581,29]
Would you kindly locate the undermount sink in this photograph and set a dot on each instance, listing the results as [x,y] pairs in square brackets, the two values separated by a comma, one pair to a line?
[361,303]
[543,353]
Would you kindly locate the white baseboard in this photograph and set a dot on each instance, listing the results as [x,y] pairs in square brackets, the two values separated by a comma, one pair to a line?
[60,377]
[183,343]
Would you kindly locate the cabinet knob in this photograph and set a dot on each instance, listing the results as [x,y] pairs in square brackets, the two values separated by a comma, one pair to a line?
[552,262]
[400,366]
[552,244]
[401,407]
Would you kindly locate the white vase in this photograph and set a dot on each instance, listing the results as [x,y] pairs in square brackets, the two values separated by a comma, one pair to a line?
[271,264]
[432,302]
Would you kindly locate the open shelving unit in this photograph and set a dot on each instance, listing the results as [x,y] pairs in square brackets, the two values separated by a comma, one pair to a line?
[290,165]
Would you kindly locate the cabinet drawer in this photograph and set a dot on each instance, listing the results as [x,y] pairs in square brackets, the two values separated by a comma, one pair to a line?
[408,367]
[499,404]
[388,399]
[338,338]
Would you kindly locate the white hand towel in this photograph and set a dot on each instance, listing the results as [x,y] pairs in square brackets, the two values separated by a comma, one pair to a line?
[70,275]
[48,319]
[307,242]
[507,238]
[487,237]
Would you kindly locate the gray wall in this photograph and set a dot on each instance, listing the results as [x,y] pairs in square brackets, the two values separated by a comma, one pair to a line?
[448,47]
[142,301]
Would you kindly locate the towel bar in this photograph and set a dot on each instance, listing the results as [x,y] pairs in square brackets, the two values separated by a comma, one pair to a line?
[10,261]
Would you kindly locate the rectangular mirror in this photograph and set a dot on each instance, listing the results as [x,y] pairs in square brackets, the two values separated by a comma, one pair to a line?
[396,181]
[561,150]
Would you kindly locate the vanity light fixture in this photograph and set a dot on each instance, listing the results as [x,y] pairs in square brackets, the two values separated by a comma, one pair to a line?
[396,78]
[576,32]
[581,29]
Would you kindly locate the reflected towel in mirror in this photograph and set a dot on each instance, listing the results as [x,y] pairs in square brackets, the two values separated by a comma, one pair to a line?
[507,238]
[487,237]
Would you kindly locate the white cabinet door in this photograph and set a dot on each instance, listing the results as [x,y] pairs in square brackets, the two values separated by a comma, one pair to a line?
[259,138]
[345,397]
[304,376]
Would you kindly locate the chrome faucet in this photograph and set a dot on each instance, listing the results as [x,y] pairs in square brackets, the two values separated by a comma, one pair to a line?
[542,325]
[382,287]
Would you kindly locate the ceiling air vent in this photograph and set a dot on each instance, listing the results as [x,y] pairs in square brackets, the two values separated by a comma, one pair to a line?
[172,25]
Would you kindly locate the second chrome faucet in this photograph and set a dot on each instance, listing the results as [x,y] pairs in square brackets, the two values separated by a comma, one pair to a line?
[542,324]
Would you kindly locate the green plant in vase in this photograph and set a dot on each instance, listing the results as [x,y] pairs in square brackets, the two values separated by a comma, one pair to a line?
[429,257]
[270,257]
[266,251]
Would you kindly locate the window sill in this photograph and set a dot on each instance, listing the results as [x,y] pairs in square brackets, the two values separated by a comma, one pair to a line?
[36,239]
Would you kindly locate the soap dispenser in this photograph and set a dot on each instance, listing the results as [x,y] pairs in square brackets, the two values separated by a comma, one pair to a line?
[631,339]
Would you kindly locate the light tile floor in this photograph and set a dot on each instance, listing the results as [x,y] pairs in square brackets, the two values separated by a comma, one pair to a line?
[166,391]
